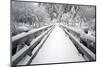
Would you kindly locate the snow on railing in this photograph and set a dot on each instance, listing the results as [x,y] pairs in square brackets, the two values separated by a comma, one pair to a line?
[26,50]
[25,36]
[85,51]
[89,39]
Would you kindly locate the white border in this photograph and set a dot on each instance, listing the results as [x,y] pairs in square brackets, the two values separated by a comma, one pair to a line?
[5,33]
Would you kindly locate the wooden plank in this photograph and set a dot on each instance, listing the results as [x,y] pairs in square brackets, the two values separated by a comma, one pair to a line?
[27,60]
[20,38]
[41,44]
[24,35]
[20,54]
[90,40]
[81,33]
[82,48]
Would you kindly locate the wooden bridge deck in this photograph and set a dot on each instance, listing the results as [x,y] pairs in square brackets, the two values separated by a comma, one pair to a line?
[54,45]
[57,48]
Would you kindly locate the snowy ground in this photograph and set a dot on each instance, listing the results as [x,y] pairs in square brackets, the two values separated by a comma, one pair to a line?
[57,48]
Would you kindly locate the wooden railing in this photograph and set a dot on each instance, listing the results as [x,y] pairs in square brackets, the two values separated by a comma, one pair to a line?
[27,49]
[24,36]
[83,49]
[83,37]
[28,60]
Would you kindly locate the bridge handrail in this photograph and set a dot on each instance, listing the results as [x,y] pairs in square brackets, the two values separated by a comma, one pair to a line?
[90,55]
[82,35]
[39,47]
[21,53]
[23,35]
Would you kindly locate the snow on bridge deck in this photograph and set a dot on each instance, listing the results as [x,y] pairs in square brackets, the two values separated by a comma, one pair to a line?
[57,48]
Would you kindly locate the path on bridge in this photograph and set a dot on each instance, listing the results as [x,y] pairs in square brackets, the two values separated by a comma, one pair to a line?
[57,48]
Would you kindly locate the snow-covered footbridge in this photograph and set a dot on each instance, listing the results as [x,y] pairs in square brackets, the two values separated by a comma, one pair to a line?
[50,44]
